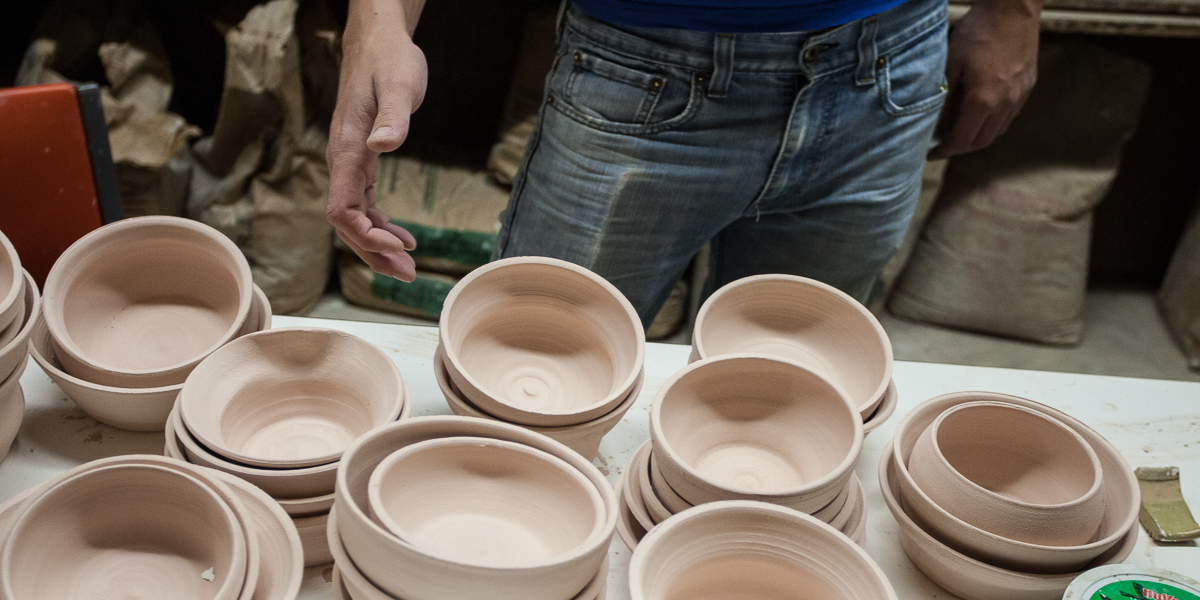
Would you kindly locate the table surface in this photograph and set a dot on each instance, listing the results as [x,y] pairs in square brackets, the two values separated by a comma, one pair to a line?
[1152,423]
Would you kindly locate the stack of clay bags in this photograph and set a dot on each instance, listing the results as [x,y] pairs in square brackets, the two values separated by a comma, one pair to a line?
[278,408]
[544,344]
[20,307]
[461,508]
[147,527]
[131,308]
[999,497]
[747,427]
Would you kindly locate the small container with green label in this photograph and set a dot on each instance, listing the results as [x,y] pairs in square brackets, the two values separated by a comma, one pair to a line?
[1129,582]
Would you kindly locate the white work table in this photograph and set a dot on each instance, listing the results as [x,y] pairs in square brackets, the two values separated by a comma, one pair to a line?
[1152,423]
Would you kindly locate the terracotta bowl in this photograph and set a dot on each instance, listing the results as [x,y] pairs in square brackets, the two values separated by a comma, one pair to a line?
[802,320]
[583,438]
[12,293]
[486,502]
[1122,497]
[883,412]
[1012,471]
[973,579]
[290,398]
[755,428]
[281,567]
[312,539]
[162,530]
[12,410]
[540,341]
[140,302]
[405,572]
[16,352]
[751,550]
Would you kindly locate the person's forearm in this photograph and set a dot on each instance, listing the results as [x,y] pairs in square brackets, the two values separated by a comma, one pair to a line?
[404,13]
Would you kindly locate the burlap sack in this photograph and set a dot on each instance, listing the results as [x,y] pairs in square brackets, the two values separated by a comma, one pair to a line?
[422,298]
[1006,248]
[1179,296]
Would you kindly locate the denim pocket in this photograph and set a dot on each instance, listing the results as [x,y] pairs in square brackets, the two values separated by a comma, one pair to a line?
[620,95]
[912,78]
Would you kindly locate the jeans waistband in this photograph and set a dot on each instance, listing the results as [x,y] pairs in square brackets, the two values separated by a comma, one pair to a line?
[808,52]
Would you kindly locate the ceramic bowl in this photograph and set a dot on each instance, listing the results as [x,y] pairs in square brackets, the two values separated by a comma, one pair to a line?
[631,488]
[12,293]
[290,398]
[1012,471]
[663,490]
[306,507]
[281,567]
[540,341]
[802,320]
[312,539]
[583,438]
[755,428]
[162,531]
[12,409]
[752,550]
[887,407]
[486,502]
[1122,497]
[140,302]
[973,579]
[405,572]
[16,352]
[629,529]
[637,473]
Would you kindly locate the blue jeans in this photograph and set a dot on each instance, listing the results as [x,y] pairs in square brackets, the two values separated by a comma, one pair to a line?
[792,152]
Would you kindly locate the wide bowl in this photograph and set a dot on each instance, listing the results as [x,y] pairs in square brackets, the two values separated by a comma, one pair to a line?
[1122,497]
[486,502]
[405,572]
[290,398]
[743,549]
[12,294]
[125,531]
[15,353]
[281,566]
[802,320]
[754,427]
[540,341]
[1011,471]
[968,577]
[583,438]
[140,302]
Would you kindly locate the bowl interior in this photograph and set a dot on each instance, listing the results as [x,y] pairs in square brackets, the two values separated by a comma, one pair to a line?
[485,502]
[804,321]
[756,425]
[543,338]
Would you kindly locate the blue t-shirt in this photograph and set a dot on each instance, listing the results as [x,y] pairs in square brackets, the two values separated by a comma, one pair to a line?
[734,16]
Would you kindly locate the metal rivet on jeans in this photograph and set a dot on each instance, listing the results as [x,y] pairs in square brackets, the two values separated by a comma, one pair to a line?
[578,58]
[549,99]
[699,79]
[810,55]
[656,83]
[882,61]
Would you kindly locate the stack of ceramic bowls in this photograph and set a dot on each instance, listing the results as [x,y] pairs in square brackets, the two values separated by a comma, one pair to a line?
[740,549]
[461,508]
[805,321]
[747,427]
[1001,497]
[131,308]
[278,408]
[147,527]
[20,308]
[544,344]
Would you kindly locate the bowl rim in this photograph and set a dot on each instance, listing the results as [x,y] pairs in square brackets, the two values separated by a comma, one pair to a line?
[9,252]
[883,412]
[46,362]
[33,311]
[864,404]
[446,329]
[55,287]
[260,503]
[662,443]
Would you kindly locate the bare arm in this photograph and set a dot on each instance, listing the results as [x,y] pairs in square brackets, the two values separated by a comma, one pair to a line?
[991,68]
[382,82]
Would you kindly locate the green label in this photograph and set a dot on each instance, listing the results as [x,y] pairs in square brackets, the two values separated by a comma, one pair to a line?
[472,248]
[1142,590]
[424,293]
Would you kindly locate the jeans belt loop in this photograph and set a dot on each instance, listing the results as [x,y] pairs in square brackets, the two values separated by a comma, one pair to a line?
[560,22]
[867,52]
[722,65]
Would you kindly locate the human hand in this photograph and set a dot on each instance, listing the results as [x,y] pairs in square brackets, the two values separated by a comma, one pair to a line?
[382,82]
[991,68]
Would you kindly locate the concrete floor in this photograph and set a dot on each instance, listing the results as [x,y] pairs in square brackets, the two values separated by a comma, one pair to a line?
[1124,337]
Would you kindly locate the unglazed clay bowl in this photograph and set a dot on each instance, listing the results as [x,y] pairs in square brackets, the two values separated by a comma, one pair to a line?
[12,294]
[583,438]
[312,539]
[486,502]
[281,566]
[12,409]
[629,529]
[631,488]
[637,473]
[140,302]
[1012,471]
[136,531]
[406,572]
[755,428]
[540,341]
[802,320]
[974,579]
[1122,497]
[742,549]
[663,490]
[306,507]
[15,353]
[883,412]
[290,398]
